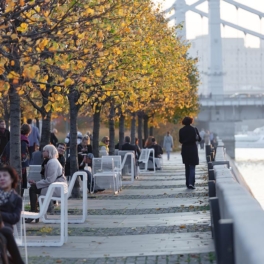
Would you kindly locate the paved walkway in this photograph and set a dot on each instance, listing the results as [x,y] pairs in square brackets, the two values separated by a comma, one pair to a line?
[155,220]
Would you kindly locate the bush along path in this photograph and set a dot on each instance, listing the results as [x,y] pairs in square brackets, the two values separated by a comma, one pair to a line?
[155,220]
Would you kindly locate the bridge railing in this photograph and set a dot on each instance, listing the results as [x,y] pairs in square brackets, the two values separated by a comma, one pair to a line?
[231,96]
[237,218]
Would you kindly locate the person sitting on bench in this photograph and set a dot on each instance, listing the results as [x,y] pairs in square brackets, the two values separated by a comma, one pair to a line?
[53,172]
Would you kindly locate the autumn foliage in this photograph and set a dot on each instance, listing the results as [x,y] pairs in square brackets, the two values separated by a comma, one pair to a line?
[98,53]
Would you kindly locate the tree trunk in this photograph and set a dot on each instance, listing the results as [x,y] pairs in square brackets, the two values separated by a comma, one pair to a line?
[146,127]
[133,128]
[140,142]
[96,130]
[45,131]
[74,109]
[151,131]
[15,143]
[112,130]
[121,130]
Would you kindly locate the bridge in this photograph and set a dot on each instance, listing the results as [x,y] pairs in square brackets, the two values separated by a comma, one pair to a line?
[218,107]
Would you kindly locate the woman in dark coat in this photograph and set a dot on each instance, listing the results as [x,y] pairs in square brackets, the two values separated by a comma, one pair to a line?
[10,210]
[188,135]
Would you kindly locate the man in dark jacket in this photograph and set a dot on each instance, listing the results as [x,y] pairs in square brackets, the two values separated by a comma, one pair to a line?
[128,146]
[4,136]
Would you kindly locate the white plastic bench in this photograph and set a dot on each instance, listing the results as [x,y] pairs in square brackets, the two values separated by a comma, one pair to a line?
[39,241]
[105,167]
[83,218]
[128,157]
[144,158]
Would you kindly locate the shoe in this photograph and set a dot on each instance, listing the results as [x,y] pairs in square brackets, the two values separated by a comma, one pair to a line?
[29,220]
[98,190]
[191,187]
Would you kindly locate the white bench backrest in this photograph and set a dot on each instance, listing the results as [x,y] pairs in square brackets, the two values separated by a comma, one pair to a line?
[144,155]
[107,163]
[97,165]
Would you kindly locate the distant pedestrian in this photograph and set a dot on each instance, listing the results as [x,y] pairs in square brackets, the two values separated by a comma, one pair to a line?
[207,137]
[188,135]
[33,138]
[4,136]
[202,134]
[168,144]
[53,138]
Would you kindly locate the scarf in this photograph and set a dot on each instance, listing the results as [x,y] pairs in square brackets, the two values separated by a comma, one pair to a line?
[4,196]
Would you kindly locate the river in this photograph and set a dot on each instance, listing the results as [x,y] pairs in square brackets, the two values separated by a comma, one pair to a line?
[250,163]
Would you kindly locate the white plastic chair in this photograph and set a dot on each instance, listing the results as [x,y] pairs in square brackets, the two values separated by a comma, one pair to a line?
[144,160]
[20,234]
[128,159]
[159,162]
[46,241]
[83,218]
[106,171]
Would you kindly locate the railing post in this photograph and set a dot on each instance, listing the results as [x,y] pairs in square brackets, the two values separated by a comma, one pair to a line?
[207,150]
[215,217]
[211,175]
[211,187]
[226,242]
[208,158]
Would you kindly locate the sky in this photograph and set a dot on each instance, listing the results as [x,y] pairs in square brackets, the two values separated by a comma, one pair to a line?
[197,26]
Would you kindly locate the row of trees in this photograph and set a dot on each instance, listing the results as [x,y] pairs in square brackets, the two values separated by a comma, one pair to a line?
[113,59]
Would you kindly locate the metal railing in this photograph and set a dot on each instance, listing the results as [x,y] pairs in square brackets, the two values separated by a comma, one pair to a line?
[236,217]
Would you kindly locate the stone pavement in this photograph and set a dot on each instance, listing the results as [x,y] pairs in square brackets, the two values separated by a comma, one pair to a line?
[154,220]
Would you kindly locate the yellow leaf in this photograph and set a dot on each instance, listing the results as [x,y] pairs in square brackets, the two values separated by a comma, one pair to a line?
[20,92]
[99,45]
[89,11]
[100,34]
[98,72]
[68,82]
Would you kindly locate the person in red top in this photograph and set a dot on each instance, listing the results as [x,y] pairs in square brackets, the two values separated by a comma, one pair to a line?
[4,136]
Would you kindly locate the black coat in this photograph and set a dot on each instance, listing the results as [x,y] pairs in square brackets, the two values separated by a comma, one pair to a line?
[88,150]
[189,151]
[128,146]
[11,210]
[157,149]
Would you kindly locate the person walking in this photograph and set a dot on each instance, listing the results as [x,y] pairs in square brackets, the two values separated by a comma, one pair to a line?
[168,144]
[202,135]
[188,136]
[33,138]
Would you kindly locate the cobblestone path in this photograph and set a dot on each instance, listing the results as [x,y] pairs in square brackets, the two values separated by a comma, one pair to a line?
[155,220]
